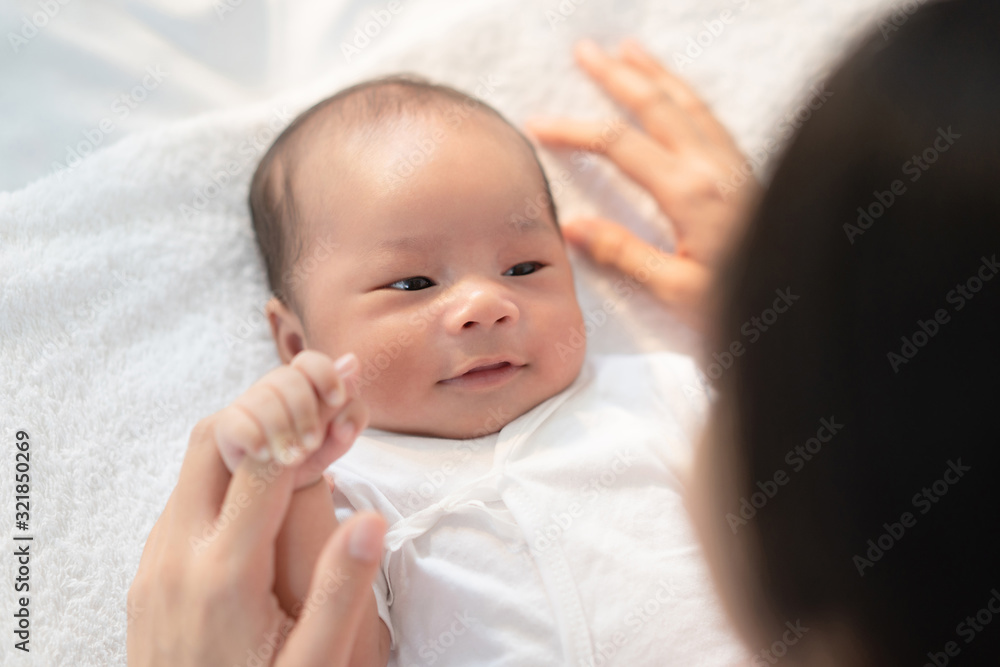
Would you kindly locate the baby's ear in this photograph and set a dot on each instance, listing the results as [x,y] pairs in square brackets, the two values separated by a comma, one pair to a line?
[286,329]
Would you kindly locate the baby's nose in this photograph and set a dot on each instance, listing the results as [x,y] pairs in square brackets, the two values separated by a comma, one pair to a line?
[483,307]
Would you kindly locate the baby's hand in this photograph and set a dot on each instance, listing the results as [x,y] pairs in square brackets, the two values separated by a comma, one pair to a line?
[303,410]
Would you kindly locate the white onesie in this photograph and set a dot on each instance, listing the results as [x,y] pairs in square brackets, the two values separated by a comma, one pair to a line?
[561,539]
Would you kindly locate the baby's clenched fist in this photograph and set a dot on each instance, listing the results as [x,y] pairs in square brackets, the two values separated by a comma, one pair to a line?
[304,413]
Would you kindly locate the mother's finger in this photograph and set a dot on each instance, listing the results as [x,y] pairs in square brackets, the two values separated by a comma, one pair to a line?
[637,91]
[680,92]
[339,592]
[255,506]
[644,160]
[677,281]
[203,480]
[148,558]
[610,244]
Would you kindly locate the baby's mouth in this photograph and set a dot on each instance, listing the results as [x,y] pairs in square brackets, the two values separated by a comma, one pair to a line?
[485,375]
[488,367]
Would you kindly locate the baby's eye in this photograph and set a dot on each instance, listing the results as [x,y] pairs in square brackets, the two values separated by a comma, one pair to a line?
[523,269]
[412,284]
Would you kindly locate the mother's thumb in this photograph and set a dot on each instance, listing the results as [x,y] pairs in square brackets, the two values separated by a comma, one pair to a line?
[340,590]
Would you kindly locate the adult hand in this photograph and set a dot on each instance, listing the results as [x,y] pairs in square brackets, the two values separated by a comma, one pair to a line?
[687,161]
[203,593]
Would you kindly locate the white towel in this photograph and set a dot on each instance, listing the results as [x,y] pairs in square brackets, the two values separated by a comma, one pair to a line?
[124,318]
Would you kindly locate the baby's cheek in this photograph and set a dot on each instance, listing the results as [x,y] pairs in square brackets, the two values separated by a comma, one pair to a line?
[566,329]
[390,385]
[552,355]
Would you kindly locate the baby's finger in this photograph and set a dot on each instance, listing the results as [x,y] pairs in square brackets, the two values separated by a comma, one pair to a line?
[653,105]
[348,423]
[682,94]
[352,420]
[301,402]
[264,403]
[356,411]
[327,376]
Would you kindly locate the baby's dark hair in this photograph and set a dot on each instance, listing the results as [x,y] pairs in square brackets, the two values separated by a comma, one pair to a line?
[272,207]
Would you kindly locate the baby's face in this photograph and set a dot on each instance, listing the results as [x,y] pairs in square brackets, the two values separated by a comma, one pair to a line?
[444,259]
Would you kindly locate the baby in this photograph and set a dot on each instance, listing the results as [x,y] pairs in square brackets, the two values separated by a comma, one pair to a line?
[532,495]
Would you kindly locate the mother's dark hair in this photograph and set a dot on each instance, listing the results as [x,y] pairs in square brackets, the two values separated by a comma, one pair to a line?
[881,340]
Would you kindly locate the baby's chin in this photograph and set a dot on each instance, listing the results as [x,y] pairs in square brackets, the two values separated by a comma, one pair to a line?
[471,426]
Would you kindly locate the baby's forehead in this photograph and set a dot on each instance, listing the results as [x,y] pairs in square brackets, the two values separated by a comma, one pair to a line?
[408,138]
[358,150]
[383,153]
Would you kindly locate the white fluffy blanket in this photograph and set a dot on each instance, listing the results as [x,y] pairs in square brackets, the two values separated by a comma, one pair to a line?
[131,294]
